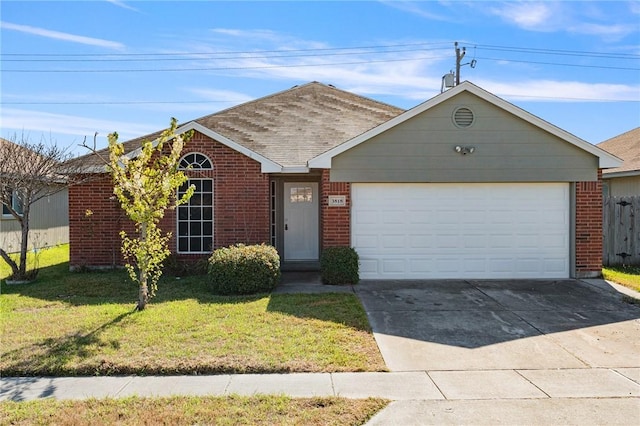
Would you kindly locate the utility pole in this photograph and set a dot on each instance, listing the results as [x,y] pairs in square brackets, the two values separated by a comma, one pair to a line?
[452,79]
[459,56]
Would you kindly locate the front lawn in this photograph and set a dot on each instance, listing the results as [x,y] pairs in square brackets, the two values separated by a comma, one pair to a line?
[234,410]
[68,324]
[628,276]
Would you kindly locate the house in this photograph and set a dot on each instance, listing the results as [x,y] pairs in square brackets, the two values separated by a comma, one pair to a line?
[624,180]
[49,218]
[464,185]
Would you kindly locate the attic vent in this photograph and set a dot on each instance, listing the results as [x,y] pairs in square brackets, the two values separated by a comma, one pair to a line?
[463,117]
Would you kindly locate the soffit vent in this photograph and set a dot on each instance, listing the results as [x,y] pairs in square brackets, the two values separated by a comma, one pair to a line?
[463,117]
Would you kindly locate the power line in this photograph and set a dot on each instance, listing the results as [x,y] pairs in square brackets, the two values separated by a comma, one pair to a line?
[545,51]
[243,56]
[223,52]
[231,101]
[116,102]
[556,51]
[227,68]
[224,68]
[561,64]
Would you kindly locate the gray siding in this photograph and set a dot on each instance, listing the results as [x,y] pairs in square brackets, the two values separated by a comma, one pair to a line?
[507,149]
[49,224]
[623,186]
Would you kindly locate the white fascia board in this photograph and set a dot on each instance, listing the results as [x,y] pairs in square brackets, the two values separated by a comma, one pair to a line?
[295,169]
[267,166]
[605,159]
[613,174]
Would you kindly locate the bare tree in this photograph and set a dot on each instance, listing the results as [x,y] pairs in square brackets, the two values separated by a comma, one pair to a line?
[29,172]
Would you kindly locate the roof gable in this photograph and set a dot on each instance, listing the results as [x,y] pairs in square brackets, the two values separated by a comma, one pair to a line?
[283,131]
[627,147]
[295,125]
[605,159]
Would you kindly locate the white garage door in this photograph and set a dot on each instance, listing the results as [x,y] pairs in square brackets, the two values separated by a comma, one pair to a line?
[475,230]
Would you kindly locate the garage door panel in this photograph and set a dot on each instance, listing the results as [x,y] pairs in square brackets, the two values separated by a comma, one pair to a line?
[461,230]
[394,241]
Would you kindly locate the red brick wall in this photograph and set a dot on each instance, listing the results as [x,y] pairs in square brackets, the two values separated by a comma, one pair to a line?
[588,232]
[335,221]
[241,208]
[94,238]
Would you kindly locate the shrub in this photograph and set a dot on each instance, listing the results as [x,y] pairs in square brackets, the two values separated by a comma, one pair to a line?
[242,269]
[176,267]
[339,265]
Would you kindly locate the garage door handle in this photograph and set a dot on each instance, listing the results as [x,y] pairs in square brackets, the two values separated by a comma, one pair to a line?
[286,227]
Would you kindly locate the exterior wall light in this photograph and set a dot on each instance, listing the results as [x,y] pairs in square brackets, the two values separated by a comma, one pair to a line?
[464,150]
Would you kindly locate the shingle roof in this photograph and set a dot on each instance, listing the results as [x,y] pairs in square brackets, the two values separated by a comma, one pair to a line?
[292,126]
[627,147]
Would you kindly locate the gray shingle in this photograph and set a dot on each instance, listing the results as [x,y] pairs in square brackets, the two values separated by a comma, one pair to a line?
[292,126]
[627,147]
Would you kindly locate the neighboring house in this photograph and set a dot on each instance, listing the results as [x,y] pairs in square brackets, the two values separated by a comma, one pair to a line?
[623,180]
[465,185]
[49,221]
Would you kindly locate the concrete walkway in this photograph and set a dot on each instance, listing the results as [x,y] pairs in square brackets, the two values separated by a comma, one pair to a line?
[573,396]
[585,395]
[397,386]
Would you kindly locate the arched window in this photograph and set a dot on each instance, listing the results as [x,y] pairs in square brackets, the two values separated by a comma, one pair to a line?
[195,218]
[195,161]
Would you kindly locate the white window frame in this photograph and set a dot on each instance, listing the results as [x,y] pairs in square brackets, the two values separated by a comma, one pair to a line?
[16,204]
[190,216]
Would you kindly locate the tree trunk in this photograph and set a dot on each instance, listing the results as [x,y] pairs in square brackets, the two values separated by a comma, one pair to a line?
[14,267]
[143,291]
[143,296]
[24,243]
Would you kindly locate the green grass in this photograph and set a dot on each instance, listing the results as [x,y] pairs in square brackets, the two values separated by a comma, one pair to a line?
[234,410]
[628,276]
[68,324]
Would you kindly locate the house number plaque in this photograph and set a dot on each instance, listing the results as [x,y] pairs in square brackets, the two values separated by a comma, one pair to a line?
[337,200]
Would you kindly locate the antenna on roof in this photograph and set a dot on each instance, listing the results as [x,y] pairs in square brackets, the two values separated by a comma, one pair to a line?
[452,79]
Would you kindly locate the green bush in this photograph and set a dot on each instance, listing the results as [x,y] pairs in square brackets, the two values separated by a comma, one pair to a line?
[339,265]
[242,269]
[174,266]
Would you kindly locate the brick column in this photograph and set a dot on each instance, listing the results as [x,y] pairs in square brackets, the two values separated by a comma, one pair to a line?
[335,221]
[588,230]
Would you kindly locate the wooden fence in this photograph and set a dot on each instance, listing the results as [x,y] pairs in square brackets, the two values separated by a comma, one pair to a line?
[621,230]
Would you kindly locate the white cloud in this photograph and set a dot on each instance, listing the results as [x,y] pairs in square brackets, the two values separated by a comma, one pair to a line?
[418,9]
[122,5]
[57,35]
[614,32]
[533,16]
[571,17]
[559,91]
[47,122]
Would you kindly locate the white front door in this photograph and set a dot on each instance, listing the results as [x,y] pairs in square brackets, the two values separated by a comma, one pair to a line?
[301,221]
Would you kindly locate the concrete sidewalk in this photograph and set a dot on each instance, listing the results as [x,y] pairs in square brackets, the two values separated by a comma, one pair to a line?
[397,386]
[589,396]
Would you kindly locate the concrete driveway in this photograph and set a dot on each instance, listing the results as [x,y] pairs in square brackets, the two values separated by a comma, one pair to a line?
[501,325]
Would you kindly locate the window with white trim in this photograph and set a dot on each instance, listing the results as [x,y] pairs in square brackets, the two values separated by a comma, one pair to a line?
[16,204]
[195,218]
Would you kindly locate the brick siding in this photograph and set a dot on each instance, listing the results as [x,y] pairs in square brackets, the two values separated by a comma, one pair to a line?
[335,221]
[241,208]
[241,212]
[588,232]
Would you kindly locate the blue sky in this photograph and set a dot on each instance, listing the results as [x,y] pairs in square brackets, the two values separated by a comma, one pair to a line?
[70,69]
